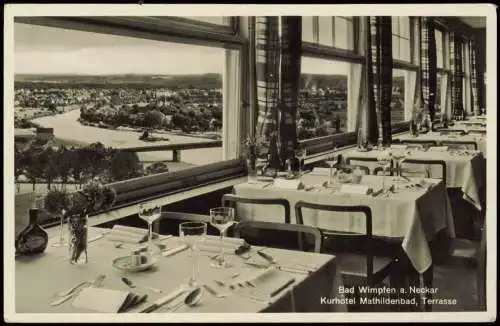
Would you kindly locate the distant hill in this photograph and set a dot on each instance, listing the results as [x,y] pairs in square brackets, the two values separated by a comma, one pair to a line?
[211,80]
[323,81]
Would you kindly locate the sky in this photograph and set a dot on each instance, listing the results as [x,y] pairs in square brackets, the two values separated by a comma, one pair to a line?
[47,50]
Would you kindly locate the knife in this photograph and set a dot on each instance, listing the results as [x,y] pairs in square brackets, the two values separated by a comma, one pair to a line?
[175,250]
[164,300]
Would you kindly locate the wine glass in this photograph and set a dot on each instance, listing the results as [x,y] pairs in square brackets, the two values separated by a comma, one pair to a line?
[191,233]
[383,160]
[399,154]
[331,161]
[62,236]
[149,212]
[221,218]
[300,155]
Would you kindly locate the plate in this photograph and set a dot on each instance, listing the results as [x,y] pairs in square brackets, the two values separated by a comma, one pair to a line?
[125,264]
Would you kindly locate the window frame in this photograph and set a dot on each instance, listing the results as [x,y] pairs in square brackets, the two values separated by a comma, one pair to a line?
[320,51]
[186,31]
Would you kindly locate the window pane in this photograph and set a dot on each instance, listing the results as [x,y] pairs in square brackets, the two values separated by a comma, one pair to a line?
[395,47]
[395,25]
[439,59]
[307,29]
[121,92]
[326,31]
[404,53]
[343,33]
[439,40]
[404,27]
[219,20]
[440,92]
[323,98]
[398,95]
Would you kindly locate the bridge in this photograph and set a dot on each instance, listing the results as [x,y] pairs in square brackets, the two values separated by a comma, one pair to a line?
[175,148]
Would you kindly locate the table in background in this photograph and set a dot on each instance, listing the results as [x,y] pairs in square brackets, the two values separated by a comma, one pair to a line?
[414,216]
[480,140]
[39,278]
[466,172]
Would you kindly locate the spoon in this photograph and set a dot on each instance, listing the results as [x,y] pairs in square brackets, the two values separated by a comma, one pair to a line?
[191,299]
[133,285]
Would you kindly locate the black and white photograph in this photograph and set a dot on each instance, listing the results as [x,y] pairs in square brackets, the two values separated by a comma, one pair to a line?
[237,163]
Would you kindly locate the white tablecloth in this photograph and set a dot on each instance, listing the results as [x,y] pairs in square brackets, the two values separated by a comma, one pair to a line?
[480,140]
[39,279]
[414,216]
[467,172]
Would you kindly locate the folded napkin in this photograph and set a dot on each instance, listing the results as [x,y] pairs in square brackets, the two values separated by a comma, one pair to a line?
[438,148]
[288,184]
[322,171]
[104,300]
[398,146]
[129,234]
[213,244]
[355,189]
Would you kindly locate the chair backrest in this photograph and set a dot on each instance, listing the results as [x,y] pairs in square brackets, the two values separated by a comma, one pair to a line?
[360,159]
[232,200]
[460,144]
[379,169]
[422,142]
[366,237]
[299,229]
[476,132]
[443,131]
[441,163]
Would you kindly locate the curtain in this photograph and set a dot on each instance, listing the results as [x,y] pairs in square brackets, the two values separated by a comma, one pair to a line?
[374,118]
[473,78]
[428,66]
[278,54]
[457,74]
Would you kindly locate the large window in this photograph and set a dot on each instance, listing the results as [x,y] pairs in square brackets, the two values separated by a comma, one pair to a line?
[81,88]
[466,77]
[403,94]
[329,31]
[401,38]
[323,100]
[439,48]
[441,93]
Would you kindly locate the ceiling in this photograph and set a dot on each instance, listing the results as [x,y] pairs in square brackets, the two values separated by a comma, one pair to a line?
[474,22]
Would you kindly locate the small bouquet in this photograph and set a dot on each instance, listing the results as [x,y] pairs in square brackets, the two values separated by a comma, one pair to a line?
[92,198]
[252,147]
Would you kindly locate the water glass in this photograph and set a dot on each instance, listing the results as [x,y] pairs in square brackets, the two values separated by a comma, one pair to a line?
[150,212]
[191,233]
[300,155]
[221,218]
[331,161]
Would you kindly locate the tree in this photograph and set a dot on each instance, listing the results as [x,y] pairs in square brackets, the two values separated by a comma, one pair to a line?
[34,163]
[19,165]
[153,119]
[50,159]
[64,164]
[124,165]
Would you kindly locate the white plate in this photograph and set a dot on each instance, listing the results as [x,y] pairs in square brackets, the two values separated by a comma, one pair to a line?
[124,264]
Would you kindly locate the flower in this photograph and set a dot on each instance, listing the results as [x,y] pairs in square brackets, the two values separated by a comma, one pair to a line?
[56,201]
[252,146]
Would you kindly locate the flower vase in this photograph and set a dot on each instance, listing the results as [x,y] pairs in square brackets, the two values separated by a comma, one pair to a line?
[78,230]
[252,169]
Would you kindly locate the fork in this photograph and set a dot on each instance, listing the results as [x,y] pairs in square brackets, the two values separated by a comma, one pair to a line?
[74,288]
[95,283]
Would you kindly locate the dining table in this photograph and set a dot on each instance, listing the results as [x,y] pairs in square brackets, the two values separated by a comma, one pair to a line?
[39,280]
[465,169]
[479,139]
[408,212]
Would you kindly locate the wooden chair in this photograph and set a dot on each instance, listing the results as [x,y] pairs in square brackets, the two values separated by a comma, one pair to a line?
[476,132]
[356,269]
[420,142]
[407,171]
[460,132]
[299,229]
[361,159]
[232,200]
[459,144]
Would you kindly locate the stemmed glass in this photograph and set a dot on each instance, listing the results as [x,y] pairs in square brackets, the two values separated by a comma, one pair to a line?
[221,218]
[331,161]
[399,154]
[62,239]
[149,212]
[191,233]
[383,160]
[300,154]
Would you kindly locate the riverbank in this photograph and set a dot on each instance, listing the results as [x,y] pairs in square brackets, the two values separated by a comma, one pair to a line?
[68,129]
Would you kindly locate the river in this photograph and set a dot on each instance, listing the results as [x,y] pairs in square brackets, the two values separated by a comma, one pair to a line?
[66,127]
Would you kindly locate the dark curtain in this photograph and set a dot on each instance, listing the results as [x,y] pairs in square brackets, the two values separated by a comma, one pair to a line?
[457,75]
[380,74]
[473,78]
[278,54]
[428,66]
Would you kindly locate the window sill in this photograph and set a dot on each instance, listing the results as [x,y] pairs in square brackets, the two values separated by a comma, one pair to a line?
[162,201]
